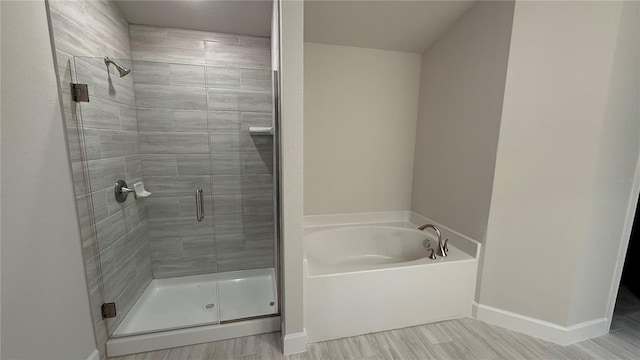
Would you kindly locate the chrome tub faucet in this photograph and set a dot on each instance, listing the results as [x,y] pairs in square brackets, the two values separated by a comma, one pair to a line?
[442,246]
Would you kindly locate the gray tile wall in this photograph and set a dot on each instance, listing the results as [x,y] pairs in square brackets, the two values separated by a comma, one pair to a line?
[115,236]
[196,95]
[174,142]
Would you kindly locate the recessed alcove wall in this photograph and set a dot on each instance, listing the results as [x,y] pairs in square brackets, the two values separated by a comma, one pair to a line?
[389,130]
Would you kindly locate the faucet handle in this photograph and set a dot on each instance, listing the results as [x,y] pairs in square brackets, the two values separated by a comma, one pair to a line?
[432,253]
[446,246]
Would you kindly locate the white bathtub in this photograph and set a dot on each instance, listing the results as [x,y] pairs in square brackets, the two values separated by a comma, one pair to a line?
[363,278]
[370,247]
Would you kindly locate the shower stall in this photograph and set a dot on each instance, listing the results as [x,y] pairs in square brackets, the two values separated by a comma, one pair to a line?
[177,187]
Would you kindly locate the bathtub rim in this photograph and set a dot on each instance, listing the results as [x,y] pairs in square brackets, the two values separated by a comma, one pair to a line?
[313,223]
[398,219]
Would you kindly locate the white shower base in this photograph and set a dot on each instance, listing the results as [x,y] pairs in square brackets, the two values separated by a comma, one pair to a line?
[176,303]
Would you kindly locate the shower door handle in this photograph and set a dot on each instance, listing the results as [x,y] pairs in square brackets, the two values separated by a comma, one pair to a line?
[199,205]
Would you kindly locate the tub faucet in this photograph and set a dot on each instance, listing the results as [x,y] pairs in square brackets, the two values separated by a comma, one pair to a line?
[444,249]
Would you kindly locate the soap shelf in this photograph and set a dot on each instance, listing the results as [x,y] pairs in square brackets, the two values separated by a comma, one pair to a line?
[121,190]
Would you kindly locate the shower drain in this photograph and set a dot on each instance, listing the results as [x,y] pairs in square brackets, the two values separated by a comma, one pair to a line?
[209,306]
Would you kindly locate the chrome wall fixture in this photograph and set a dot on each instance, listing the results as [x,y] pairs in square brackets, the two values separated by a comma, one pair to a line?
[123,71]
[121,190]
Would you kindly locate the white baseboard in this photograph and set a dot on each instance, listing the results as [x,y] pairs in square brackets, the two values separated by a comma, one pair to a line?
[561,335]
[95,355]
[294,343]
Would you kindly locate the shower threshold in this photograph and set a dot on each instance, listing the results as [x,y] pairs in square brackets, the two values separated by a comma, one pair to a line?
[183,302]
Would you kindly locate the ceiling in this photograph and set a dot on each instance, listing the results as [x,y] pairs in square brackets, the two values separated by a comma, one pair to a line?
[390,25]
[242,17]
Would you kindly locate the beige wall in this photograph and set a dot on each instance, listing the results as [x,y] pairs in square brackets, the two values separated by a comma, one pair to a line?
[569,130]
[617,153]
[360,118]
[45,306]
[291,147]
[462,86]
[0,188]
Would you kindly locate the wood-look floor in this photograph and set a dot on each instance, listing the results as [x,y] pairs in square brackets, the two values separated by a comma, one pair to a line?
[456,339]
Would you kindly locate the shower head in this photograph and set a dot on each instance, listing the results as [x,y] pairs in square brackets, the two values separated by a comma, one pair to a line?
[123,71]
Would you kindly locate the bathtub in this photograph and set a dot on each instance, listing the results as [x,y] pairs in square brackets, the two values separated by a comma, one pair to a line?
[367,277]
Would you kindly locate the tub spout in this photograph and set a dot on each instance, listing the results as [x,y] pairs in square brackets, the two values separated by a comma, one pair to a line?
[442,246]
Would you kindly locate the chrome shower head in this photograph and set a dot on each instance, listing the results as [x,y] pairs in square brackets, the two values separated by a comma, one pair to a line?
[123,71]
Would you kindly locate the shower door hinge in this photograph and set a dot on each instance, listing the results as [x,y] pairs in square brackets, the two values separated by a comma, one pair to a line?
[80,92]
[108,310]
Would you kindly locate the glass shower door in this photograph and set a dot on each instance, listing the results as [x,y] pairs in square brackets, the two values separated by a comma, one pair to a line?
[241,125]
[201,248]
[155,255]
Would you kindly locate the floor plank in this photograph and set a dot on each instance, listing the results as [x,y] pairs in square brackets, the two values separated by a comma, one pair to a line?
[456,340]
[462,339]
